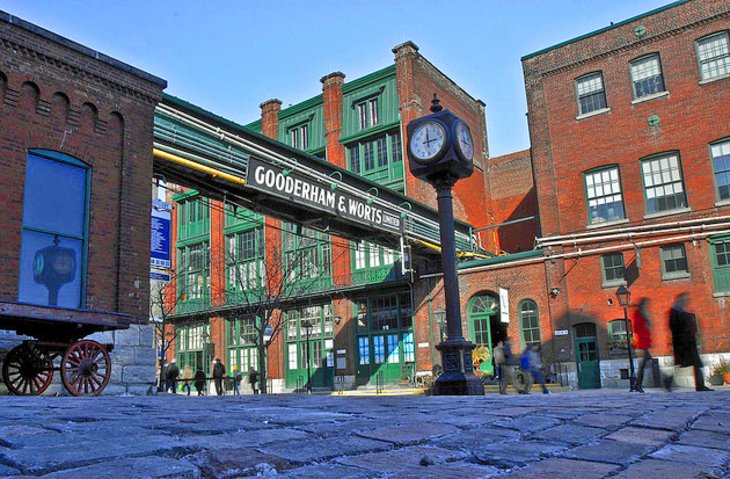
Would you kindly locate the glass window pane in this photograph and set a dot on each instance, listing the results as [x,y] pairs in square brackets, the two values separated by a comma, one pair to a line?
[50,270]
[54,196]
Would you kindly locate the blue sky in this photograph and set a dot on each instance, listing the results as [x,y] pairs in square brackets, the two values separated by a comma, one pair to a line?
[228,56]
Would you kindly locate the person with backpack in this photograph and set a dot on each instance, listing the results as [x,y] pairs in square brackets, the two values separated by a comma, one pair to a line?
[253,378]
[200,381]
[236,381]
[172,374]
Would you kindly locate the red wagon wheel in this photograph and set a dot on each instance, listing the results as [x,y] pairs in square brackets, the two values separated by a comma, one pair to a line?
[86,368]
[27,370]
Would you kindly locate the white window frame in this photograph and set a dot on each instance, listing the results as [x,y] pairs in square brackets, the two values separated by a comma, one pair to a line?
[641,70]
[583,88]
[713,65]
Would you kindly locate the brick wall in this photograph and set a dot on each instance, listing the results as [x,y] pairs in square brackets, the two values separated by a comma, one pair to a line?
[61,96]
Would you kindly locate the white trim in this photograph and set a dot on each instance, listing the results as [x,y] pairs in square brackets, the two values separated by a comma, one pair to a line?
[721,294]
[593,113]
[607,223]
[675,211]
[724,202]
[650,97]
[710,80]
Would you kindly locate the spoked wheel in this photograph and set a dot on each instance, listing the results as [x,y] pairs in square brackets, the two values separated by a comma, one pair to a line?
[27,370]
[86,368]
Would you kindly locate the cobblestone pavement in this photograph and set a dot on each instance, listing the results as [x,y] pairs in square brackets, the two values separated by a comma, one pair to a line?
[576,435]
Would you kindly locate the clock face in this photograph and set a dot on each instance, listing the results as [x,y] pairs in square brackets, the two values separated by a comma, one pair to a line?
[427,141]
[464,142]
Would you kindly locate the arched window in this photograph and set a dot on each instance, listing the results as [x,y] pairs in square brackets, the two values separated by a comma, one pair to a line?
[480,310]
[54,238]
[529,323]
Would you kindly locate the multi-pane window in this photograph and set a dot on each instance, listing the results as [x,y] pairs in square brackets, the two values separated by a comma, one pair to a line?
[647,77]
[194,271]
[194,217]
[617,332]
[190,347]
[367,113]
[591,94]
[387,313]
[714,56]
[721,165]
[299,136]
[613,268]
[721,263]
[54,237]
[371,255]
[674,261]
[603,191]
[529,323]
[307,253]
[663,186]
[375,153]
[244,255]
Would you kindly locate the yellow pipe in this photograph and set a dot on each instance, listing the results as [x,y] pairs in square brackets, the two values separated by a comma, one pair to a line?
[197,166]
[461,254]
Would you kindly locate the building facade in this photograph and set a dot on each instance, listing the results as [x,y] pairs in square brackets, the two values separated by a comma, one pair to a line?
[630,155]
[75,169]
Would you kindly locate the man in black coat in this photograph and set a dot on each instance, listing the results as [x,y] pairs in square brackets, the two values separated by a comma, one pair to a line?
[172,373]
[684,340]
[219,370]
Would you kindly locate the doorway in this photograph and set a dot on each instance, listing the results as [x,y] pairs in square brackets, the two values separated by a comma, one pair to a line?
[586,351]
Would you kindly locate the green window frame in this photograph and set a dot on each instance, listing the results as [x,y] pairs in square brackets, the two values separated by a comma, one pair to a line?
[713,56]
[529,323]
[674,261]
[617,332]
[307,253]
[54,234]
[241,343]
[299,136]
[367,113]
[378,158]
[193,276]
[591,93]
[193,217]
[720,153]
[245,259]
[613,269]
[720,257]
[663,183]
[604,195]
[192,339]
[647,77]
[392,312]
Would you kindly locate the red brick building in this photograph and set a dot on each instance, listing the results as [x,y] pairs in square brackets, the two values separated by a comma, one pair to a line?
[631,154]
[75,170]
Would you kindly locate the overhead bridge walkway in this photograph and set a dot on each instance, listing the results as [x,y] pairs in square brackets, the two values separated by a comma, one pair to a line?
[228,162]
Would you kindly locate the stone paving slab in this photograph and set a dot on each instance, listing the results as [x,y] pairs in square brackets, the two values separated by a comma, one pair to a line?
[575,435]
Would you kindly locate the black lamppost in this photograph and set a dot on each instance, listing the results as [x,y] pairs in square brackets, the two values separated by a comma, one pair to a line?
[307,325]
[441,152]
[624,299]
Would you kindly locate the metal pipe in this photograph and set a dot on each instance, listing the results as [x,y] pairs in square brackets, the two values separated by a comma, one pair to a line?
[710,219]
[520,220]
[630,235]
[196,166]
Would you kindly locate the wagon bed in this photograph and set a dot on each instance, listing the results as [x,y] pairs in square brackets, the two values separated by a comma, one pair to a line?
[84,364]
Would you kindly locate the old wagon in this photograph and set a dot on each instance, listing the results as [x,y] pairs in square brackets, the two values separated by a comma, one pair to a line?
[58,345]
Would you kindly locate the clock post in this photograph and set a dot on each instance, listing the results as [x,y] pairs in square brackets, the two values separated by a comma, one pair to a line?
[441,152]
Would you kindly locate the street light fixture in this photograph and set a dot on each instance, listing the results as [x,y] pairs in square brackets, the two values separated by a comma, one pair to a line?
[624,299]
[307,325]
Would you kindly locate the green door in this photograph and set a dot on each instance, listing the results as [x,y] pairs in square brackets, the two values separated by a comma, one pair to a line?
[389,355]
[481,310]
[586,350]
[309,347]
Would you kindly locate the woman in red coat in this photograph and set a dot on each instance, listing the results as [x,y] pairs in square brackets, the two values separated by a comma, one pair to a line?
[641,328]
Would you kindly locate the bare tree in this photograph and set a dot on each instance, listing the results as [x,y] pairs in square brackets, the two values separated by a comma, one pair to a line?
[265,281]
[164,298]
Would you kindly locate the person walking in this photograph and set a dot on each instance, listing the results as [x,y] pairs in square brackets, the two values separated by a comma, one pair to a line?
[200,381]
[683,325]
[187,377]
[219,370]
[498,355]
[534,353]
[172,374]
[508,368]
[236,381]
[253,378]
[641,325]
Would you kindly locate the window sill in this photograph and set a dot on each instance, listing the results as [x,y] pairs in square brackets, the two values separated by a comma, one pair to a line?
[612,285]
[721,294]
[711,80]
[667,213]
[676,277]
[725,202]
[650,97]
[593,113]
[603,224]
